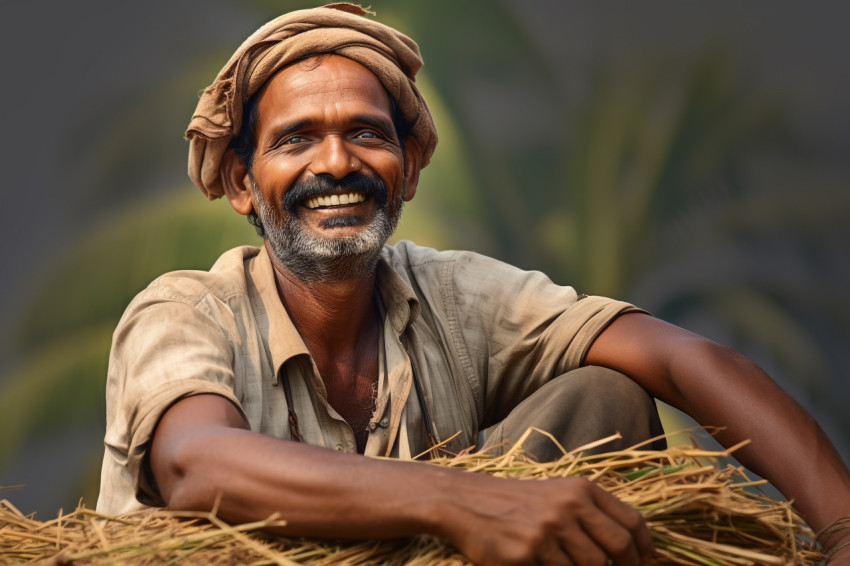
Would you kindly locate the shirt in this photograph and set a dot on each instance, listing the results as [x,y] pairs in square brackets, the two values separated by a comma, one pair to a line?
[472,335]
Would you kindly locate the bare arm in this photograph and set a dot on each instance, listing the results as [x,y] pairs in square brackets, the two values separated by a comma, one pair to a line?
[719,387]
[202,449]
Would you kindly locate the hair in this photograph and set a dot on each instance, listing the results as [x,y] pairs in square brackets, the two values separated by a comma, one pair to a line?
[245,141]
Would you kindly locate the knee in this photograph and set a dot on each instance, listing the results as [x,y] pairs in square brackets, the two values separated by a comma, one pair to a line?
[578,408]
[598,387]
[616,402]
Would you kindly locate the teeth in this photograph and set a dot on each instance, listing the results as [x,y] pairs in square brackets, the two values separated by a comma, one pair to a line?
[334,200]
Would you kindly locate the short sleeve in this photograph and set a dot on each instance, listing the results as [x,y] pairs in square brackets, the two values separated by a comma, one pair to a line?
[521,329]
[163,350]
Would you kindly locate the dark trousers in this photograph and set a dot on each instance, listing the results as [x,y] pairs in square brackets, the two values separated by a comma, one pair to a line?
[577,408]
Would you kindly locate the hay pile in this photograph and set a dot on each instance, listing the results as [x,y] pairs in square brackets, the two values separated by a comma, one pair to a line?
[698,513]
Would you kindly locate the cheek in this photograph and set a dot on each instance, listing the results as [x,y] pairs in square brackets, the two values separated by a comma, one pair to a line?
[273,178]
[391,171]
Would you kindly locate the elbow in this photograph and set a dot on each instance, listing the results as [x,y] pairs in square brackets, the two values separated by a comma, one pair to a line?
[183,477]
[195,451]
[188,495]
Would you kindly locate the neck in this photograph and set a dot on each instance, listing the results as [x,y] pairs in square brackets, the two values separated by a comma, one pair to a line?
[332,316]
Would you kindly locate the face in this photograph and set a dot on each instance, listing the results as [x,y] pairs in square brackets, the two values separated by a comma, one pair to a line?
[328,177]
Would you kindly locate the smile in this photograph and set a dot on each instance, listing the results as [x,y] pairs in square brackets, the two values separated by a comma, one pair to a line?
[334,200]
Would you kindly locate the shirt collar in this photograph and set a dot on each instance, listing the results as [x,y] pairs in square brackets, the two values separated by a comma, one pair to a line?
[398,297]
[283,339]
[285,342]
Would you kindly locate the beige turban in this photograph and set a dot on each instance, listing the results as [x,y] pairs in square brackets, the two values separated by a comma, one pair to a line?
[339,28]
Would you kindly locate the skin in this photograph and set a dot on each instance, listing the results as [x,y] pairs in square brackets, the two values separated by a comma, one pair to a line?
[202,448]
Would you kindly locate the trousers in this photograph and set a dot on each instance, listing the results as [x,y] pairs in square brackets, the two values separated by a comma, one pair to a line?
[577,408]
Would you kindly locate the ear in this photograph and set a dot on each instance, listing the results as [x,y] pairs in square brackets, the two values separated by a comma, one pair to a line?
[237,183]
[412,166]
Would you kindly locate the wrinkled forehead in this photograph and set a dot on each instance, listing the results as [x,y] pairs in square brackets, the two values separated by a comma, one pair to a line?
[323,79]
[328,71]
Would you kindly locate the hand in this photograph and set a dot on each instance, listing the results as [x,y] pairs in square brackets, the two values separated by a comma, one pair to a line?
[558,521]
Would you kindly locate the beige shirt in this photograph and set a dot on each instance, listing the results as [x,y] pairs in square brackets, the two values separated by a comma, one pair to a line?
[477,335]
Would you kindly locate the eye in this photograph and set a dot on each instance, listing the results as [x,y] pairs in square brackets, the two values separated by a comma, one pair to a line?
[369,135]
[294,140]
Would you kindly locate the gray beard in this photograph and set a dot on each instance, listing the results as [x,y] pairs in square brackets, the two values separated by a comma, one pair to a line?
[313,258]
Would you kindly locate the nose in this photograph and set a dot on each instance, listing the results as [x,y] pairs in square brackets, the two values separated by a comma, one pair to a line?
[333,157]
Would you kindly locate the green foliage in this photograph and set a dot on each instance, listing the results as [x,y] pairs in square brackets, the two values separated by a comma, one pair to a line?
[120,257]
[443,212]
[61,386]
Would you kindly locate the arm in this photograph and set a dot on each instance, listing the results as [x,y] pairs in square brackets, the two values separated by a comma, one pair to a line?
[719,387]
[201,448]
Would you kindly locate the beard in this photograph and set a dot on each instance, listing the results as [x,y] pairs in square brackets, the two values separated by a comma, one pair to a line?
[311,257]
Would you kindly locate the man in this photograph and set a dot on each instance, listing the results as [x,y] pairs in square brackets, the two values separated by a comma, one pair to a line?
[227,388]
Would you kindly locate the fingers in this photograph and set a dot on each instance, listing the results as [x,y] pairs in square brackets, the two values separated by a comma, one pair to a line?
[568,521]
[555,554]
[606,531]
[626,517]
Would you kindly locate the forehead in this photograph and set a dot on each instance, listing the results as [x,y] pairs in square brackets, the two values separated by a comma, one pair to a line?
[325,85]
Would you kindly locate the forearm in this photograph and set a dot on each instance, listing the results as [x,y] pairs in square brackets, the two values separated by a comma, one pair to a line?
[788,447]
[203,457]
[721,388]
[321,493]
[318,492]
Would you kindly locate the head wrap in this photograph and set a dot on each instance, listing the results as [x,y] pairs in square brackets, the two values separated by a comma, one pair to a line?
[336,28]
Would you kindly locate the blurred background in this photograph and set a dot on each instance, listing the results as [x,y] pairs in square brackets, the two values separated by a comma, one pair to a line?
[689,157]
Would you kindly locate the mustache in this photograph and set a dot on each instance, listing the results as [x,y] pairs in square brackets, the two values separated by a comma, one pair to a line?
[323,185]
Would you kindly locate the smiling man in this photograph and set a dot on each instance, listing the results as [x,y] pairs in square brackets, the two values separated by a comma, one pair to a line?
[327,157]
[257,387]
[327,181]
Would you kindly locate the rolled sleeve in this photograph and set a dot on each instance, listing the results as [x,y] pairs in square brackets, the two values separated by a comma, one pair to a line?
[522,329]
[163,351]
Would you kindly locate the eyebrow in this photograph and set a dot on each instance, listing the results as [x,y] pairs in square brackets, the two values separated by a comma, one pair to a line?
[379,123]
[286,129]
[382,124]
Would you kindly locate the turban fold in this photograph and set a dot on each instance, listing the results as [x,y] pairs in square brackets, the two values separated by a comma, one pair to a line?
[336,28]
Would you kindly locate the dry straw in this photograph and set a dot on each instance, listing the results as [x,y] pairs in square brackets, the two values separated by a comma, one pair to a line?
[698,512]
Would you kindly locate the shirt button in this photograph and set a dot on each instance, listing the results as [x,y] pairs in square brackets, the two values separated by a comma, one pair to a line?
[385,421]
[339,447]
